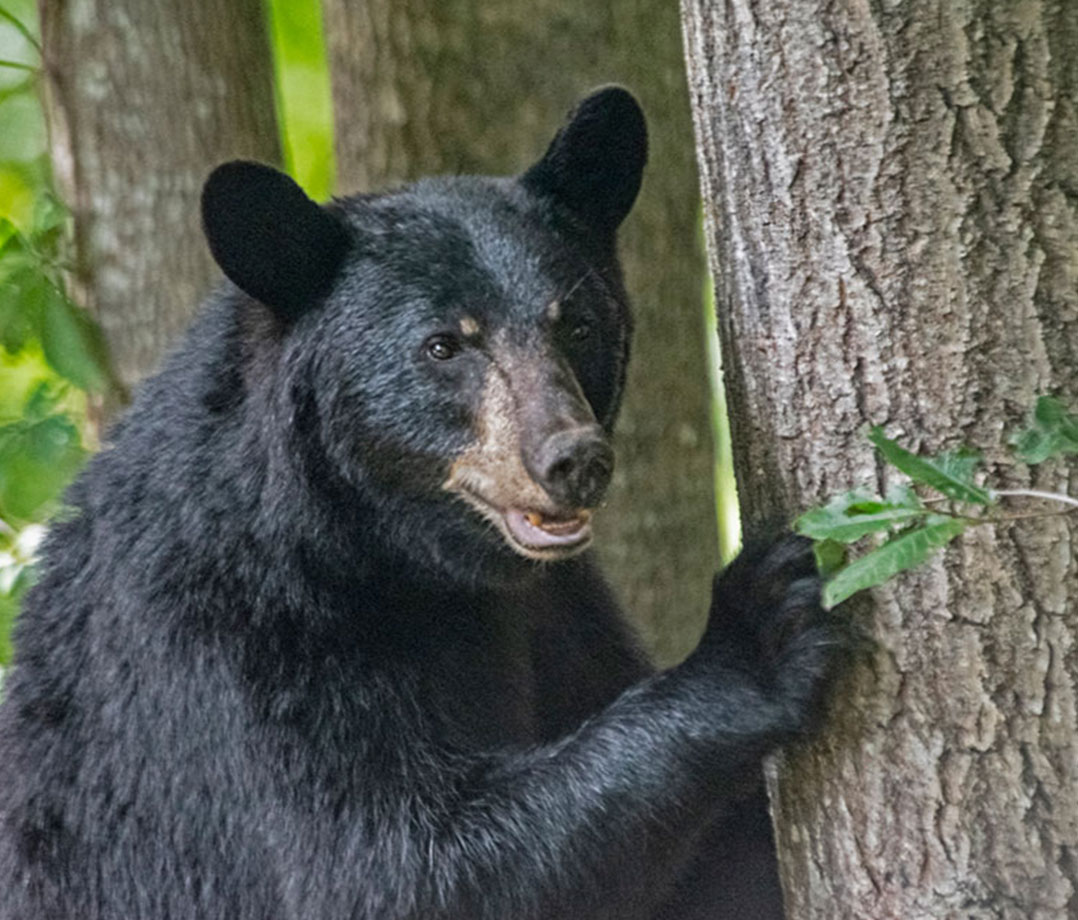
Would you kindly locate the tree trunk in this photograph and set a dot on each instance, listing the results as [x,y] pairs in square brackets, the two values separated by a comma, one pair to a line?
[891,192]
[427,86]
[143,99]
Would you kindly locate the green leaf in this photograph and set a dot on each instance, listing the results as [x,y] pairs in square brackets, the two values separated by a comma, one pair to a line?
[1053,433]
[22,87]
[15,254]
[41,401]
[49,219]
[900,553]
[22,129]
[21,27]
[902,494]
[1032,446]
[7,231]
[855,514]
[19,307]
[830,557]
[950,473]
[71,341]
[37,460]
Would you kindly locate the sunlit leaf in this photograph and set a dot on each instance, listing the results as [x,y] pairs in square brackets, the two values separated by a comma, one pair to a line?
[37,460]
[20,184]
[22,128]
[950,473]
[19,13]
[900,553]
[19,308]
[41,401]
[15,254]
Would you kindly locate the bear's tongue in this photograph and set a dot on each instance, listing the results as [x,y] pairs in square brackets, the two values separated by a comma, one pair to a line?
[533,529]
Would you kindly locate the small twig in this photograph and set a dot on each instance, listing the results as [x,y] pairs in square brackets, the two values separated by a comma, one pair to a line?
[1036,493]
[1015,493]
[18,24]
[1007,518]
[18,65]
[1071,503]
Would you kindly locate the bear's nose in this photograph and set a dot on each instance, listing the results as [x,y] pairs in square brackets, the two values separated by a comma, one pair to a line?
[575,466]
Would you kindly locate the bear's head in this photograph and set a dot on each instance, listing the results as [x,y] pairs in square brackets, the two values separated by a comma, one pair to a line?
[459,343]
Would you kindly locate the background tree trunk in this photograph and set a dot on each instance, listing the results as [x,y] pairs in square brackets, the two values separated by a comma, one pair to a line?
[428,86]
[891,193]
[143,98]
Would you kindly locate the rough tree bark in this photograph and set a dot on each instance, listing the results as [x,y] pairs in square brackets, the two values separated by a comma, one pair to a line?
[427,87]
[891,193]
[143,98]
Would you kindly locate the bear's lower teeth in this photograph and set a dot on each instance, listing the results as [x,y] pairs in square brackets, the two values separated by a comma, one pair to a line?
[570,525]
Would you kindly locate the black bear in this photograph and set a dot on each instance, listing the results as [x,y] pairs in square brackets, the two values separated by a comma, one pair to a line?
[317,635]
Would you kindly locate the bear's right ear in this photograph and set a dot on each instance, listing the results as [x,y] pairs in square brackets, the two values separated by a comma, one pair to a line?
[269,238]
[595,163]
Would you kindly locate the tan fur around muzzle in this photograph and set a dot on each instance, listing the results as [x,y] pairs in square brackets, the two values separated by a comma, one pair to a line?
[490,474]
[492,469]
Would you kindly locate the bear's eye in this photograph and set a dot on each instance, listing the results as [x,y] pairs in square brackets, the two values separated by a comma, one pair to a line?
[580,331]
[442,347]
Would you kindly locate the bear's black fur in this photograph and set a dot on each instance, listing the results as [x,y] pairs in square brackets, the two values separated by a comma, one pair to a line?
[314,638]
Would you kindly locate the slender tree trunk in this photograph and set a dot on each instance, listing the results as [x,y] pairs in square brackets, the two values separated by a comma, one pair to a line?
[427,86]
[143,99]
[891,191]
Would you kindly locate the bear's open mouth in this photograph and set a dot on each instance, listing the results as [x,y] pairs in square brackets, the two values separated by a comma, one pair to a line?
[539,531]
[542,535]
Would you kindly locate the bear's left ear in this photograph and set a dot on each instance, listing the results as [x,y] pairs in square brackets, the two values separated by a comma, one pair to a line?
[269,238]
[594,164]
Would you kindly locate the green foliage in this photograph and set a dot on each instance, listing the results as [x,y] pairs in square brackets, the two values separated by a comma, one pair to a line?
[906,550]
[33,304]
[1052,432]
[950,473]
[852,515]
[39,453]
[908,529]
[830,556]
[51,353]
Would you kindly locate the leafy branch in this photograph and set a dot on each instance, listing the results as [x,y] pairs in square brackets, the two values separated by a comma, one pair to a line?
[909,528]
[51,352]
[33,304]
